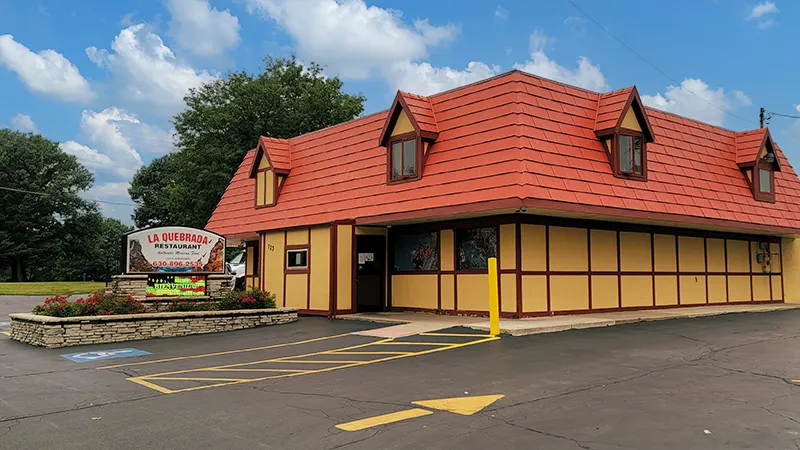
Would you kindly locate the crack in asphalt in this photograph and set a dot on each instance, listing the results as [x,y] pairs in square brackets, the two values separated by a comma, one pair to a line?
[76,407]
[357,441]
[49,372]
[580,444]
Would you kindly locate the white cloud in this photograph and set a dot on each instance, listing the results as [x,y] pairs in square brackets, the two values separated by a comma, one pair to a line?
[349,37]
[683,101]
[201,29]
[586,75]
[538,40]
[24,122]
[763,8]
[797,107]
[147,71]
[116,202]
[500,13]
[118,138]
[47,72]
[763,12]
[424,79]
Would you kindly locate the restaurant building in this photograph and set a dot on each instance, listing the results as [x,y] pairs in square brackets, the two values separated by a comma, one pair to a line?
[590,201]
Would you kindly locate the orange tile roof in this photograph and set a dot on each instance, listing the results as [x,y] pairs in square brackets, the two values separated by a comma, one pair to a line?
[278,153]
[609,108]
[748,144]
[422,111]
[509,141]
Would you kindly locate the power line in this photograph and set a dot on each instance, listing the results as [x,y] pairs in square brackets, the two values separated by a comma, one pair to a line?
[783,115]
[653,65]
[23,191]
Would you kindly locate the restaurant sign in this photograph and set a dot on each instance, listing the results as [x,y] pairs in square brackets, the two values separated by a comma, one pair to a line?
[174,250]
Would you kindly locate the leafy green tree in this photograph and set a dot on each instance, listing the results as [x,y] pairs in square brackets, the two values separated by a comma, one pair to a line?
[39,190]
[222,121]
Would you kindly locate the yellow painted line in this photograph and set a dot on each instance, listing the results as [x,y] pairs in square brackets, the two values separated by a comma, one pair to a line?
[229,352]
[258,370]
[415,343]
[195,379]
[455,335]
[142,379]
[465,406]
[383,420]
[795,381]
[7,333]
[370,353]
[310,361]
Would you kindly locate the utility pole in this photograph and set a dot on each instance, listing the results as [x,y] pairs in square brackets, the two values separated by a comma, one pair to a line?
[761,118]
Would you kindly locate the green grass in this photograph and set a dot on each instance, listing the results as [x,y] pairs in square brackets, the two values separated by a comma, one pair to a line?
[51,287]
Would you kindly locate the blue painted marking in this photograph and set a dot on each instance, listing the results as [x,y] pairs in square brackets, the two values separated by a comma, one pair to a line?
[4,324]
[104,354]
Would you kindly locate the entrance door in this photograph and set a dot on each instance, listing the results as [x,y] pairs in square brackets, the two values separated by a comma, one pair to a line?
[370,272]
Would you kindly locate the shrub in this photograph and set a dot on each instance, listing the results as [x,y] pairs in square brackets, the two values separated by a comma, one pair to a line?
[252,299]
[97,303]
[190,305]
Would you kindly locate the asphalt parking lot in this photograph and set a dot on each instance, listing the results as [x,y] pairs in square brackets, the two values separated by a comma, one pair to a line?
[720,382]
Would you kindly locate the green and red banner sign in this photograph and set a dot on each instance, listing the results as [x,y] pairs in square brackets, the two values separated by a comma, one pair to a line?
[176,286]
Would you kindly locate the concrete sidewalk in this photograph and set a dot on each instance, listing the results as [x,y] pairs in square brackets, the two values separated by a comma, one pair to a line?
[521,327]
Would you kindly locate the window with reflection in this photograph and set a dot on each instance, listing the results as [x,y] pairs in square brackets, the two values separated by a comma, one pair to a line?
[475,247]
[415,251]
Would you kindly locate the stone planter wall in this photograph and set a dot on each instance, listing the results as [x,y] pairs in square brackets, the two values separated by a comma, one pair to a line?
[217,285]
[53,332]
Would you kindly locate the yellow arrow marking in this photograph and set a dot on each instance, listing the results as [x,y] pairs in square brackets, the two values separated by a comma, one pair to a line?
[466,406]
[383,420]
[7,333]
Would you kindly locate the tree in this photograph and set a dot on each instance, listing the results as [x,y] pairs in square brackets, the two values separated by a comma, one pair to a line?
[222,121]
[40,186]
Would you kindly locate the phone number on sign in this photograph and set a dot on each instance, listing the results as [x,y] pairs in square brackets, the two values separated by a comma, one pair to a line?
[175,264]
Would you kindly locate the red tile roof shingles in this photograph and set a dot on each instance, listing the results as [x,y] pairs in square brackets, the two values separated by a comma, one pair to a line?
[422,111]
[609,108]
[279,153]
[748,144]
[514,140]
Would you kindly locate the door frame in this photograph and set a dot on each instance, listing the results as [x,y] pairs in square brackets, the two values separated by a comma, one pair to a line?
[385,282]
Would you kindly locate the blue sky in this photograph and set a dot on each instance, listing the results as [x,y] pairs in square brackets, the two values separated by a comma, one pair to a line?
[104,78]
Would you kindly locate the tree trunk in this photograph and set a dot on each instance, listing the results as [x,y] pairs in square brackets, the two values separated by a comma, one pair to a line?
[14,271]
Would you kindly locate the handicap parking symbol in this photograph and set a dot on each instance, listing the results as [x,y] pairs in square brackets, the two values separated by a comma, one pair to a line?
[104,354]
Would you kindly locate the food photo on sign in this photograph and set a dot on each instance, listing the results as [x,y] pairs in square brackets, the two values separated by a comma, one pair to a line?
[175,250]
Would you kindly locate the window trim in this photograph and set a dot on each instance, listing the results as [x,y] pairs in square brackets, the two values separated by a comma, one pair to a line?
[615,155]
[294,248]
[768,197]
[417,154]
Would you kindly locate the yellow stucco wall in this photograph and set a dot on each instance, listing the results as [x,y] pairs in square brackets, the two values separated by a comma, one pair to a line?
[693,289]
[260,180]
[716,289]
[320,268]
[448,292]
[715,249]
[775,250]
[739,288]
[568,249]
[605,291]
[508,292]
[664,246]
[569,292]
[249,270]
[296,290]
[666,290]
[738,257]
[791,269]
[273,257]
[634,250]
[297,236]
[691,255]
[534,256]
[637,291]
[777,292]
[473,292]
[270,187]
[403,124]
[508,246]
[414,291]
[446,243]
[630,121]
[264,162]
[604,251]
[534,293]
[344,267]
[761,288]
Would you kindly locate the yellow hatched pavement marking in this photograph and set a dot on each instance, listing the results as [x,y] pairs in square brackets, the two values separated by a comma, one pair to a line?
[415,343]
[383,420]
[229,352]
[166,376]
[455,335]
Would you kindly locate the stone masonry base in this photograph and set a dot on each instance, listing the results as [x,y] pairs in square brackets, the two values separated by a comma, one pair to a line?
[53,332]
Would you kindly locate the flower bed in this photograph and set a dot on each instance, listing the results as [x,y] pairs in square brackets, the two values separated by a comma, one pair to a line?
[60,322]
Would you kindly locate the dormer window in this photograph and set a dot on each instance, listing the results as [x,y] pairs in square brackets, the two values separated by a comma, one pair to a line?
[755,155]
[630,151]
[764,182]
[403,158]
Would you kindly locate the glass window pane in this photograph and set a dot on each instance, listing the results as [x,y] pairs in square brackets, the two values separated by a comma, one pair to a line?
[637,155]
[415,251]
[410,157]
[475,247]
[397,160]
[764,180]
[625,154]
[297,259]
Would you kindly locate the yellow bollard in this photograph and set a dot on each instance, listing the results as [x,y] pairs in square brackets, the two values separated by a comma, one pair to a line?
[494,304]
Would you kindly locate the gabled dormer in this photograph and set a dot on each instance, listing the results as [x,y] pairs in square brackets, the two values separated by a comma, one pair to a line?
[408,133]
[270,168]
[624,129]
[756,157]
